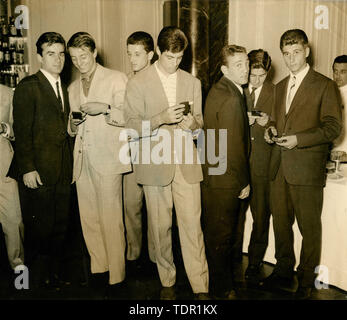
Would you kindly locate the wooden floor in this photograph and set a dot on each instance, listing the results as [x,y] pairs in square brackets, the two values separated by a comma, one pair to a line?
[143,284]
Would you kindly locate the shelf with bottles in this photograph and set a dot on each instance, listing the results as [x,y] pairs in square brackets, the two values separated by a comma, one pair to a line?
[13,44]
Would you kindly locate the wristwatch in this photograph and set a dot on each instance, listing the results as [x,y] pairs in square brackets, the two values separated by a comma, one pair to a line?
[3,128]
[108,110]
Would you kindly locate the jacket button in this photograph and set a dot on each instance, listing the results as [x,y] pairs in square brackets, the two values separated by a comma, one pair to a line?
[252,138]
[80,151]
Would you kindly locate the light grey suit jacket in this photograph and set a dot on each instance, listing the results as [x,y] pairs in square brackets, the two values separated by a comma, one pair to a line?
[6,150]
[145,98]
[101,140]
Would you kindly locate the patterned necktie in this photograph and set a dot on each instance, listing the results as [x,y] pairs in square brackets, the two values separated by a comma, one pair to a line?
[253,97]
[59,97]
[290,93]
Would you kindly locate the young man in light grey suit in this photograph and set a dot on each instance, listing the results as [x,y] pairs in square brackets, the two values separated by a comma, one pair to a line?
[155,95]
[97,166]
[10,212]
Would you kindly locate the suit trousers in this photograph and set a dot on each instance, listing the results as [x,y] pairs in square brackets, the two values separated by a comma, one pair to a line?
[305,204]
[11,221]
[186,199]
[133,199]
[100,206]
[221,215]
[260,209]
[46,217]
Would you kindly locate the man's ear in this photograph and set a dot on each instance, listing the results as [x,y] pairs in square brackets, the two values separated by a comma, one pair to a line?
[150,56]
[158,51]
[224,69]
[307,51]
[39,58]
[95,53]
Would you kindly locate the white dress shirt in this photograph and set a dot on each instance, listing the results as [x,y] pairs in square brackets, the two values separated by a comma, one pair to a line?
[298,79]
[53,81]
[256,93]
[169,85]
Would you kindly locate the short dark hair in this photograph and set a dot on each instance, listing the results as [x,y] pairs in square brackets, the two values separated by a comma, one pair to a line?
[259,59]
[293,36]
[172,39]
[340,59]
[142,38]
[230,50]
[82,39]
[49,38]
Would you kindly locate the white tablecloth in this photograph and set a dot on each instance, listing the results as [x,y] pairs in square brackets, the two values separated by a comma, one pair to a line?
[333,266]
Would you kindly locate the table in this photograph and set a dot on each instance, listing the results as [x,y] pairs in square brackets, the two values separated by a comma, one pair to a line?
[333,266]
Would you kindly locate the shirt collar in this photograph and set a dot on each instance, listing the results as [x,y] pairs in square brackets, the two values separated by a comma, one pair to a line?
[301,75]
[89,78]
[256,89]
[52,80]
[343,88]
[162,75]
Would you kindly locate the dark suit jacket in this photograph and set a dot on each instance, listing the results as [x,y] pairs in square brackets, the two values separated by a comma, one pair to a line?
[40,127]
[315,118]
[260,149]
[226,109]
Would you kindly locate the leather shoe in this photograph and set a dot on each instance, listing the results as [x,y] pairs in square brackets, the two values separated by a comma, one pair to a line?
[252,270]
[168,293]
[303,293]
[276,282]
[202,296]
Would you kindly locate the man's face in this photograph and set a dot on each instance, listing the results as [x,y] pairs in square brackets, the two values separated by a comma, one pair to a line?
[83,59]
[138,57]
[238,68]
[169,61]
[340,74]
[257,77]
[295,57]
[53,58]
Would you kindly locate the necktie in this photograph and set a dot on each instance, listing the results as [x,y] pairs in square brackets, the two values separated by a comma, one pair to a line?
[290,93]
[59,96]
[253,97]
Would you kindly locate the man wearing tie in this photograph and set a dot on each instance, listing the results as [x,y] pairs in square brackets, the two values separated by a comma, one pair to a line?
[44,159]
[259,108]
[306,118]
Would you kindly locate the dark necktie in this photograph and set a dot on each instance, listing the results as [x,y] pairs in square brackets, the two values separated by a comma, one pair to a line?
[59,97]
[253,97]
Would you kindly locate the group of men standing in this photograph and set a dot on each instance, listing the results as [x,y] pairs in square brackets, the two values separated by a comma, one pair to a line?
[76,135]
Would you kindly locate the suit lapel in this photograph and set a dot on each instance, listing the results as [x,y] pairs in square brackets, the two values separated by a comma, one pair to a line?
[49,91]
[300,96]
[158,88]
[264,95]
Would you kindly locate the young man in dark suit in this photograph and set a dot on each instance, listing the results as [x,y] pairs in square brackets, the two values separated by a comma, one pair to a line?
[259,95]
[306,119]
[44,159]
[222,192]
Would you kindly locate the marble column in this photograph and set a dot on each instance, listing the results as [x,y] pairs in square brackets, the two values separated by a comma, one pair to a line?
[205,22]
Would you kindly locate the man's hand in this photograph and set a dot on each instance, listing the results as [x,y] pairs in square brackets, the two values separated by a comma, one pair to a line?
[288,142]
[245,192]
[263,120]
[32,179]
[94,108]
[74,123]
[251,119]
[187,122]
[270,131]
[173,114]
